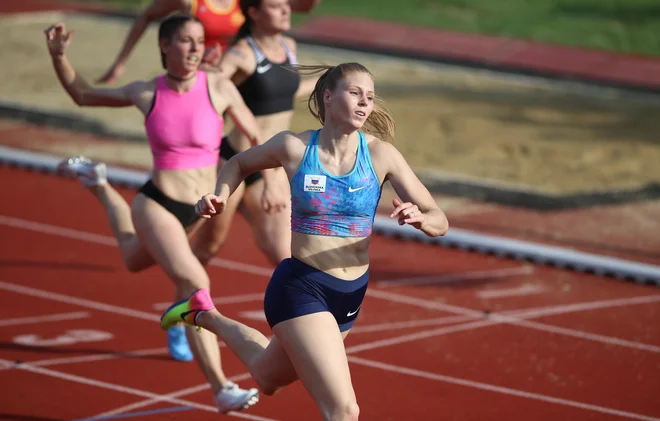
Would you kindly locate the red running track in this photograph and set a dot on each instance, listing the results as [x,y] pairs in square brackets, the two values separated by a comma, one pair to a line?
[443,334]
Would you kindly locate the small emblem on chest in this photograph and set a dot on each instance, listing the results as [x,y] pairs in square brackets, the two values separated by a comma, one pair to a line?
[314,183]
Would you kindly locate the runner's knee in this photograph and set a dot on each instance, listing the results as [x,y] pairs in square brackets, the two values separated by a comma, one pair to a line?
[135,265]
[188,282]
[343,412]
[208,243]
[266,384]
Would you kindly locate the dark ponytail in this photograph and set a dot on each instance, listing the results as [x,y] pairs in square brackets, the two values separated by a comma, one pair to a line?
[246,28]
[170,26]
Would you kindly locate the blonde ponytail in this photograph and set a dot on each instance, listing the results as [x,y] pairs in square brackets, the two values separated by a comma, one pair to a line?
[380,122]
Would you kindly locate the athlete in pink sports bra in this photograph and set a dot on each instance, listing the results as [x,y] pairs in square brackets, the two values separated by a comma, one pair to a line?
[183,129]
[183,111]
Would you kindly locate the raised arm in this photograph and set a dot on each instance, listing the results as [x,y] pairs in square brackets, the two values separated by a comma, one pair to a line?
[231,62]
[156,10]
[418,209]
[58,40]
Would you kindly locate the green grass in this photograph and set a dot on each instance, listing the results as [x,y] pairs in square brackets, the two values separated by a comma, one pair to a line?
[619,25]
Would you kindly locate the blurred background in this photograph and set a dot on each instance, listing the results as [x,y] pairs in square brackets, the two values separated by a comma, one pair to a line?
[535,120]
[525,132]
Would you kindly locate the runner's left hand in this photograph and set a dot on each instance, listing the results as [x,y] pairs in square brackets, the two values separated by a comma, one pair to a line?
[408,213]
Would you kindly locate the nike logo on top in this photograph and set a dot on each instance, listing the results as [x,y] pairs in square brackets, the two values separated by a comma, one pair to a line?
[350,313]
[264,69]
[351,189]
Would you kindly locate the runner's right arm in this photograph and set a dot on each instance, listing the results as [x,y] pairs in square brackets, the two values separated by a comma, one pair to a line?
[76,86]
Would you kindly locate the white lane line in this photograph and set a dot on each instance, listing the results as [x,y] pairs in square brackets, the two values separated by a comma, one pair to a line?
[133,391]
[44,319]
[498,389]
[521,291]
[457,277]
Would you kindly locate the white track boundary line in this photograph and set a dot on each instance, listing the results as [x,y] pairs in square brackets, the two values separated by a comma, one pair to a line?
[410,337]
[45,319]
[354,360]
[527,313]
[458,277]
[152,317]
[492,320]
[519,320]
[68,299]
[535,312]
[88,358]
[462,239]
[521,291]
[378,327]
[94,358]
[414,301]
[179,393]
[589,305]
[111,241]
[58,231]
[350,350]
[132,391]
[498,389]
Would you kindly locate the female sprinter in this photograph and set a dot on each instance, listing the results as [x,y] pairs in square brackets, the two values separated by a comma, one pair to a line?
[313,298]
[220,18]
[183,110]
[261,62]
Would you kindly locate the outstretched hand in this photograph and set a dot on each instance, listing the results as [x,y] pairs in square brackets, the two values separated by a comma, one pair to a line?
[112,74]
[408,213]
[210,205]
[57,39]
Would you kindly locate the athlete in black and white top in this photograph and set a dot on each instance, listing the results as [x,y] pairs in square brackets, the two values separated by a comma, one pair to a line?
[261,62]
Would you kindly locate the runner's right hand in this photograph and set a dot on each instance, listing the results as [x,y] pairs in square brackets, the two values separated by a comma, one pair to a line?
[58,39]
[212,55]
[113,73]
[210,205]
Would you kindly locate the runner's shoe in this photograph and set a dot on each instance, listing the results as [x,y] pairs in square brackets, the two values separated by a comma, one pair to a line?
[233,398]
[187,310]
[89,173]
[177,344]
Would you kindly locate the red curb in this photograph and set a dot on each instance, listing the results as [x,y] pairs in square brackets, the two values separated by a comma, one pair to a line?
[507,54]
[27,6]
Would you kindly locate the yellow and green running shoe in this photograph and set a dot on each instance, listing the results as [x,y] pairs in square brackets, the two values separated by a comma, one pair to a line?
[187,310]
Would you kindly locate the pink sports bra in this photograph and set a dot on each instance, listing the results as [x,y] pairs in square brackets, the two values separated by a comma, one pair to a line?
[184,129]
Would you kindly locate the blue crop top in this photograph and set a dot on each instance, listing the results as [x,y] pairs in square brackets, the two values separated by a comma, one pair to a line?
[338,206]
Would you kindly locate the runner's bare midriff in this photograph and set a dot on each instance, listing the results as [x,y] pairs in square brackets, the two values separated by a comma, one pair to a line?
[186,186]
[342,257]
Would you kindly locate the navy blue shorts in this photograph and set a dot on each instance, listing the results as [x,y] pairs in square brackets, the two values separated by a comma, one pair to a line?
[297,289]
